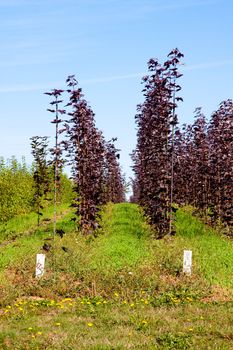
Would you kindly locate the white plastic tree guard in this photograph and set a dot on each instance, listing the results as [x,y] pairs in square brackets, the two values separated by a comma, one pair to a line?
[187,262]
[40,262]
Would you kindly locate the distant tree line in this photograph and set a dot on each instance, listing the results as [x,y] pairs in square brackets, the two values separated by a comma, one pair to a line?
[18,191]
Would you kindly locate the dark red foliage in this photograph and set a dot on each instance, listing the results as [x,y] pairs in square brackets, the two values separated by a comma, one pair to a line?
[94,163]
[191,175]
[203,175]
[220,133]
[153,157]
[115,191]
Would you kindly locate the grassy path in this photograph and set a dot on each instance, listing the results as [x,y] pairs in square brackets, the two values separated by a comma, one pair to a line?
[125,243]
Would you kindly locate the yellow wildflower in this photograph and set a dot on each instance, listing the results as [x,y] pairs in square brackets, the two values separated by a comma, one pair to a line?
[189,299]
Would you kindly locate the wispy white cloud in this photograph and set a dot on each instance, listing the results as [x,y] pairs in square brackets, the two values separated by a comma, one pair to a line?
[94,10]
[20,45]
[36,20]
[13,2]
[112,78]
[16,22]
[19,3]
[30,87]
[109,79]
[38,53]
[199,66]
[57,84]
[42,60]
[173,5]
[207,65]
[139,9]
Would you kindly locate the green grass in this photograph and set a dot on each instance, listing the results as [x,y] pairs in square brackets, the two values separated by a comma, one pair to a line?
[29,240]
[27,224]
[125,243]
[102,324]
[212,252]
[120,290]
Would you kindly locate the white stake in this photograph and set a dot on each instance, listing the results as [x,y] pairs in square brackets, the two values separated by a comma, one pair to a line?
[187,262]
[40,261]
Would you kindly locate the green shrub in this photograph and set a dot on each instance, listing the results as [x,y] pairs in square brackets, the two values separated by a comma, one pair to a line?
[17,189]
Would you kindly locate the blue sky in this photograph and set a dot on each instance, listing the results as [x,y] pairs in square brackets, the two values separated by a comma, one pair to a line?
[106,44]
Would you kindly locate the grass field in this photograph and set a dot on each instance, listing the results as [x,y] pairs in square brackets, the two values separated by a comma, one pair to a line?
[121,290]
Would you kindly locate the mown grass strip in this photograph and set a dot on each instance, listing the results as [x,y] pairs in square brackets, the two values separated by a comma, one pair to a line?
[124,240]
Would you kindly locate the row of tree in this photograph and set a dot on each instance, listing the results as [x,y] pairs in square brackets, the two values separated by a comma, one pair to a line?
[203,172]
[188,165]
[95,169]
[96,177]
[154,157]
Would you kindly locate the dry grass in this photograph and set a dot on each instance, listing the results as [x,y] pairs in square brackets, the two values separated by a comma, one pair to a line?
[116,324]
